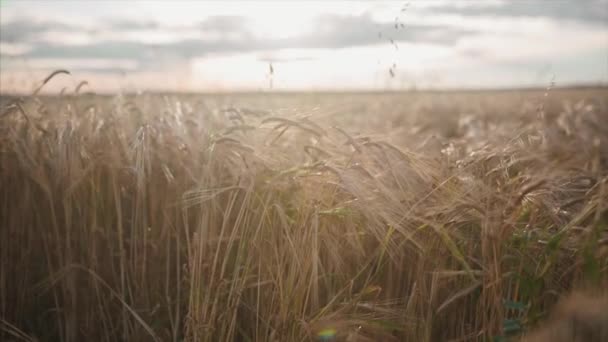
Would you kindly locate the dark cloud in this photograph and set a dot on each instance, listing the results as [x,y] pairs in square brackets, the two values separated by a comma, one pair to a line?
[585,11]
[133,25]
[110,50]
[18,31]
[230,34]
[343,31]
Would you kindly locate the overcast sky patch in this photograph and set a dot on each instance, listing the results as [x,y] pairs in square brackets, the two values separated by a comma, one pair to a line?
[410,37]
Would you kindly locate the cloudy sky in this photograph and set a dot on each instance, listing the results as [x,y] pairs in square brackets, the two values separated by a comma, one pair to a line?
[222,46]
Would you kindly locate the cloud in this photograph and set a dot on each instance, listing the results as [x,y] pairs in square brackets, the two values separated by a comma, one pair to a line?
[105,50]
[130,24]
[271,59]
[228,24]
[334,31]
[18,31]
[220,34]
[13,49]
[497,33]
[584,11]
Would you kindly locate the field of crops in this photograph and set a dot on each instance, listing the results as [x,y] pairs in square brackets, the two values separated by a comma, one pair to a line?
[421,216]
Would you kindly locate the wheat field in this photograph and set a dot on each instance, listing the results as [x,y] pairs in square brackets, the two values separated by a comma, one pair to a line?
[405,216]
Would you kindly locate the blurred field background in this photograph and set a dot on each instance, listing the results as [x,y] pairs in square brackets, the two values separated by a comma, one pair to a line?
[334,199]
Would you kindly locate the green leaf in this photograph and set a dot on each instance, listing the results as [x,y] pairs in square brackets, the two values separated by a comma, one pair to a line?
[530,286]
[509,304]
[591,268]
[554,242]
[511,326]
